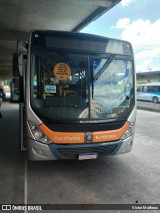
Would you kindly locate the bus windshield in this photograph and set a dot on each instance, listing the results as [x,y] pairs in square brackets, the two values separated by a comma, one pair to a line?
[69,86]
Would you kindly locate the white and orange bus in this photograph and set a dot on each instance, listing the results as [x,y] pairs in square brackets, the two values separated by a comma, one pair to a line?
[79,98]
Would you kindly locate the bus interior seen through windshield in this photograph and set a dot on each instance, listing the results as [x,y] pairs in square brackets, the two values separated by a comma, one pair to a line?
[71,87]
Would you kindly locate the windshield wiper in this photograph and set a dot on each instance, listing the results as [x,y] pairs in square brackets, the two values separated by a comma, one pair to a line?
[104,67]
[72,63]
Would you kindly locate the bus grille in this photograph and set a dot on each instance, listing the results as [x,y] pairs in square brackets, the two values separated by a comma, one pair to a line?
[73,153]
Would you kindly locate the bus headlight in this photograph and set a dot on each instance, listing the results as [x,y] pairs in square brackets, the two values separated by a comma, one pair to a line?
[38,134]
[128,132]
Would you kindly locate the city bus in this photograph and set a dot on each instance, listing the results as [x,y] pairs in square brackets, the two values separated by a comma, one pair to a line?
[149,92]
[78,96]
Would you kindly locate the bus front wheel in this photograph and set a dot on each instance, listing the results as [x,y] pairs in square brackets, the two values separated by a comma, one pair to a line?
[155,100]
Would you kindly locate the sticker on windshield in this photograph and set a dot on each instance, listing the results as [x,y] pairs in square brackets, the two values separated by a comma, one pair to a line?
[50,89]
[62,71]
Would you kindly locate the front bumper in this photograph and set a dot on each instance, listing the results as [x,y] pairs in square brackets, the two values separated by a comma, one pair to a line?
[41,152]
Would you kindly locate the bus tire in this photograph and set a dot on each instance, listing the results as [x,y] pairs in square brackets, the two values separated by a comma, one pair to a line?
[155,100]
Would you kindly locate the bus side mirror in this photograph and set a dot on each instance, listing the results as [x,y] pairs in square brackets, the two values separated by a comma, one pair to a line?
[15,65]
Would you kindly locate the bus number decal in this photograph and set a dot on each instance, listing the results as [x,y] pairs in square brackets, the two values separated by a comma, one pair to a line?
[106,137]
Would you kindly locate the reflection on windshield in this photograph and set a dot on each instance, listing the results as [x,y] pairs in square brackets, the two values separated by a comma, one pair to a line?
[72,87]
[112,90]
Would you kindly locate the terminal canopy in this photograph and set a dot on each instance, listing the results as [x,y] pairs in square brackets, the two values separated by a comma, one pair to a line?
[18,18]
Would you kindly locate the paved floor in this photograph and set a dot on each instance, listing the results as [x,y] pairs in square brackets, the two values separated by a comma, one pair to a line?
[129,178]
[11,159]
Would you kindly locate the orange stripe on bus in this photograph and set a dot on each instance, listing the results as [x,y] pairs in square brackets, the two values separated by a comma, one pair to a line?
[111,135]
[63,137]
[78,137]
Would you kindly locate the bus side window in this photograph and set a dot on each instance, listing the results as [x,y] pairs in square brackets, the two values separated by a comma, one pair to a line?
[145,89]
[155,89]
[150,89]
[138,88]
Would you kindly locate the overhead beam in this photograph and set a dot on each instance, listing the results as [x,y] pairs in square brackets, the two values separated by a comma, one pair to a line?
[105,5]
[90,18]
[101,3]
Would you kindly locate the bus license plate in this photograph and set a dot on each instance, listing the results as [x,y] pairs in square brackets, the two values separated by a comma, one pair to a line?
[87,156]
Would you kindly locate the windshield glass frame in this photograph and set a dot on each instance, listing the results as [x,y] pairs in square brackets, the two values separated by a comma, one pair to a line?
[88,55]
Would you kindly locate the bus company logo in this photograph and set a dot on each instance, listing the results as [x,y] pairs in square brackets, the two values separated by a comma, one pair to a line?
[88,137]
[89,122]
